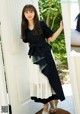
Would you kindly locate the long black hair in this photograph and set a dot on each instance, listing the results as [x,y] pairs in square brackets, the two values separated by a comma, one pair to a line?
[24,24]
[78,23]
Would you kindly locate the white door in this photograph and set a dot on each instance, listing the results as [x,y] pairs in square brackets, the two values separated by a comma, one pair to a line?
[73,61]
[15,56]
[3,93]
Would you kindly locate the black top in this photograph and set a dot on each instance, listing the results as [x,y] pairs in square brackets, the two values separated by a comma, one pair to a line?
[38,38]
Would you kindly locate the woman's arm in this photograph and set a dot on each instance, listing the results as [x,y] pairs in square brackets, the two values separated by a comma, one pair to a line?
[57,33]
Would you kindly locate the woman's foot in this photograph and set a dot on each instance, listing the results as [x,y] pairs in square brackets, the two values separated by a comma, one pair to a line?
[45,109]
[53,107]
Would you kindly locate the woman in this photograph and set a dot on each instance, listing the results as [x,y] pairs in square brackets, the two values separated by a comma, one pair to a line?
[75,33]
[45,86]
[78,23]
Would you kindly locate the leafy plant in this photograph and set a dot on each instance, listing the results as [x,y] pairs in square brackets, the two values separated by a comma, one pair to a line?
[50,12]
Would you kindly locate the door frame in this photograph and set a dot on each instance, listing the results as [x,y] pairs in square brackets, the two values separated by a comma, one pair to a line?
[66,13]
[4,102]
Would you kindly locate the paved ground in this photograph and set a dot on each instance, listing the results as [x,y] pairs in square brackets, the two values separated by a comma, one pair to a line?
[68,103]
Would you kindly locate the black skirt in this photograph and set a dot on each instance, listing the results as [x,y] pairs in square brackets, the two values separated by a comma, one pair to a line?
[42,57]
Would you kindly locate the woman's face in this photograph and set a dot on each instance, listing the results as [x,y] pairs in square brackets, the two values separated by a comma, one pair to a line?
[29,14]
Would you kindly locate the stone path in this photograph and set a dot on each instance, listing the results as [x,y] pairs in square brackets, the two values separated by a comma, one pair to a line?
[68,103]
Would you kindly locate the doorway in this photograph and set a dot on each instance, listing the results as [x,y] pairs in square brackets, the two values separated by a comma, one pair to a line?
[51,13]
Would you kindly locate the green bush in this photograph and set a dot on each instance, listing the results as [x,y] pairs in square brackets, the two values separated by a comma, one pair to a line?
[50,12]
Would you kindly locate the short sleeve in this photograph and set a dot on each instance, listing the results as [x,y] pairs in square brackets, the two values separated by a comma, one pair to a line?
[46,30]
[24,40]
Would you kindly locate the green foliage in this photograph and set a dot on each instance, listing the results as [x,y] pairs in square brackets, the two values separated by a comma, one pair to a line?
[50,12]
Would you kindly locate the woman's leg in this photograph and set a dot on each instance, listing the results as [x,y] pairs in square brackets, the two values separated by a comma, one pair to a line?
[45,109]
[55,102]
[53,105]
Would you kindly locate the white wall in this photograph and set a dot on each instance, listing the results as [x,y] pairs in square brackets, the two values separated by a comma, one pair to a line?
[73,62]
[15,56]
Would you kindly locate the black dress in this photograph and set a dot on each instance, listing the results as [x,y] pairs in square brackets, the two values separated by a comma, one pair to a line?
[41,56]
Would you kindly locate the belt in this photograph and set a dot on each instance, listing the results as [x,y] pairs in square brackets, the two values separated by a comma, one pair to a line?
[38,49]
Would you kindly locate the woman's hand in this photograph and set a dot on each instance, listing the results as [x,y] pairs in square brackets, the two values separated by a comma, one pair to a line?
[57,33]
[61,25]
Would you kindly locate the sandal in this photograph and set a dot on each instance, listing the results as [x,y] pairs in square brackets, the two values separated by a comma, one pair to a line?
[53,108]
[44,112]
